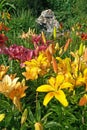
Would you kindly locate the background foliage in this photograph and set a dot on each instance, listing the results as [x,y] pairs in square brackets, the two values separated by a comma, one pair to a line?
[65,10]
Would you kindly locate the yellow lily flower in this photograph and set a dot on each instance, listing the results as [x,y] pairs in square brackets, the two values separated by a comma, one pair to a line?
[75,81]
[54,90]
[64,65]
[31,72]
[36,67]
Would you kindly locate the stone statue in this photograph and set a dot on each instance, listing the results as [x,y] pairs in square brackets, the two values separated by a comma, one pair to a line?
[47,21]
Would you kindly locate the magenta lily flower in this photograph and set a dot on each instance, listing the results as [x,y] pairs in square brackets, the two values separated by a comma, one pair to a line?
[19,53]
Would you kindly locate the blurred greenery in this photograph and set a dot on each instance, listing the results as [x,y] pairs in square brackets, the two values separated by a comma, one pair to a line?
[65,10]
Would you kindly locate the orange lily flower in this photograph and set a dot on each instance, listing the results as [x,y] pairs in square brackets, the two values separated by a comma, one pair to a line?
[13,89]
[3,71]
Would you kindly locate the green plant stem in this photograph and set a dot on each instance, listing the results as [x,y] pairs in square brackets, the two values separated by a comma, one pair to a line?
[11,64]
[4,60]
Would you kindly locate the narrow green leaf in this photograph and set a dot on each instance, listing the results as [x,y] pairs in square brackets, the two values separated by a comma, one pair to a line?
[4,105]
[8,119]
[44,118]
[53,124]
[11,5]
[38,111]
[31,116]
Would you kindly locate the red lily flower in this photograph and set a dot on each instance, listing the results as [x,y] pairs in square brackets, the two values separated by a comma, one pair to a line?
[84,36]
[3,39]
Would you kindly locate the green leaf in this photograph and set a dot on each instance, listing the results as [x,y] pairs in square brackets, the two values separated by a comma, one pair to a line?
[31,116]
[8,119]
[5,105]
[11,6]
[3,1]
[38,111]
[53,124]
[46,115]
[24,127]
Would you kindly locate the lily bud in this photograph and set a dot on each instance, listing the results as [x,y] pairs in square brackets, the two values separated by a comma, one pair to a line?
[57,46]
[54,64]
[43,38]
[54,32]
[60,51]
[38,126]
[24,116]
[80,51]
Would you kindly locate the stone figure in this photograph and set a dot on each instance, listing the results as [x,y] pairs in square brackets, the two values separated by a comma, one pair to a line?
[47,21]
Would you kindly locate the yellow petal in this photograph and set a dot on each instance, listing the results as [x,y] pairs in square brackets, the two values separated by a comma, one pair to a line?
[85,72]
[60,96]
[80,81]
[3,70]
[7,80]
[45,88]
[52,81]
[59,80]
[47,98]
[17,103]
[40,57]
[2,116]
[66,85]
[14,82]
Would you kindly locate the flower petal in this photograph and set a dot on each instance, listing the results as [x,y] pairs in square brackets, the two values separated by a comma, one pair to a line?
[59,79]
[45,88]
[66,85]
[60,96]
[52,81]
[2,116]
[47,98]
[14,82]
[17,103]
[7,80]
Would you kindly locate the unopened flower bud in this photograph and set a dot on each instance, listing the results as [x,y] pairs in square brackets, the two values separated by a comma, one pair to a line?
[38,126]
[54,32]
[80,51]
[24,116]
